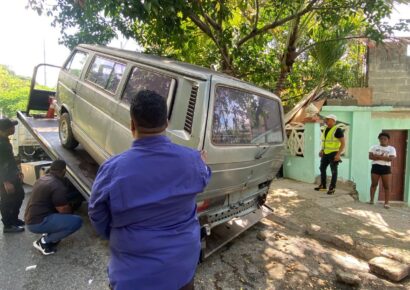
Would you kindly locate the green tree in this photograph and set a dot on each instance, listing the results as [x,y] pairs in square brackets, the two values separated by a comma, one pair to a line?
[259,41]
[14,92]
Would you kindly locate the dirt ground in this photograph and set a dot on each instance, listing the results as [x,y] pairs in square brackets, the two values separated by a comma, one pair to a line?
[302,245]
[309,237]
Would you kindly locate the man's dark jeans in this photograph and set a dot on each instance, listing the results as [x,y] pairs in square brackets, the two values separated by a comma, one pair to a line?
[57,226]
[324,163]
[10,204]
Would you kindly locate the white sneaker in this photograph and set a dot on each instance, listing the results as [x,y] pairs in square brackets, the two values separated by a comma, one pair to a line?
[44,248]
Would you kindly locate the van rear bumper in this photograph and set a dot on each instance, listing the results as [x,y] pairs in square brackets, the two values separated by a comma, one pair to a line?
[226,232]
[225,214]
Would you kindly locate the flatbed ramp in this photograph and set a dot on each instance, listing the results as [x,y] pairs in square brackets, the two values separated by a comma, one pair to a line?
[82,169]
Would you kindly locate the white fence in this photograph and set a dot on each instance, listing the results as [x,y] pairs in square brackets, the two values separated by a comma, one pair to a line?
[295,133]
[296,137]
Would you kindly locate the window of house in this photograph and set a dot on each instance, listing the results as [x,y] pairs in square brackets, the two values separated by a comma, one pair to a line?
[75,65]
[142,79]
[106,73]
[243,118]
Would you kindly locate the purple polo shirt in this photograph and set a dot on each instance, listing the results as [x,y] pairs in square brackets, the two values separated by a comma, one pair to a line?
[143,201]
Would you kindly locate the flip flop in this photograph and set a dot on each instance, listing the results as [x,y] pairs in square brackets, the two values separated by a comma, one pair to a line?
[370,202]
[386,206]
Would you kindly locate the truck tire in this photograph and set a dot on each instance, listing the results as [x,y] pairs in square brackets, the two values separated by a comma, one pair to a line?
[65,132]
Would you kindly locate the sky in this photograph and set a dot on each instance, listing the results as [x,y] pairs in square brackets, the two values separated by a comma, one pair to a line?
[27,39]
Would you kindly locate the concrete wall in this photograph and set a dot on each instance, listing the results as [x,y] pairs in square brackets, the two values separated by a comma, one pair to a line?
[362,95]
[305,168]
[365,125]
[389,74]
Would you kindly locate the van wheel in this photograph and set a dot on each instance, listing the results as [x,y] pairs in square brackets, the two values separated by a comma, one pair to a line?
[66,133]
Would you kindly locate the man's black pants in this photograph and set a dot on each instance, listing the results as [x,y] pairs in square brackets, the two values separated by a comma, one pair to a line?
[328,159]
[10,204]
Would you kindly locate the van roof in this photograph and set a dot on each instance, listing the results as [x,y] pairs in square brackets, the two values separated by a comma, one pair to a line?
[162,62]
[182,68]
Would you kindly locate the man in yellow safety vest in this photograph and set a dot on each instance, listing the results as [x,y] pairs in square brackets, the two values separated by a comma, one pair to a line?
[333,144]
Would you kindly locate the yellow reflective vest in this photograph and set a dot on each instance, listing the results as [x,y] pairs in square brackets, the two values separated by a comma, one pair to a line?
[330,143]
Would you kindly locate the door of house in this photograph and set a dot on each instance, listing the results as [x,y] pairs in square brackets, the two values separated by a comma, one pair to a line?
[398,139]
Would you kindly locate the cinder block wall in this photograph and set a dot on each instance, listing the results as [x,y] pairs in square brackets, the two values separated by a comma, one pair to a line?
[389,74]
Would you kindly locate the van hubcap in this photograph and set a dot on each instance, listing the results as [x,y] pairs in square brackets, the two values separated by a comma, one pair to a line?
[64,130]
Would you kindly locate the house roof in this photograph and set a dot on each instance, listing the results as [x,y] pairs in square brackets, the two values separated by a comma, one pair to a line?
[318,98]
[392,42]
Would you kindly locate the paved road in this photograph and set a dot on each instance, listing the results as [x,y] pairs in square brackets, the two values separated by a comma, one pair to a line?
[80,262]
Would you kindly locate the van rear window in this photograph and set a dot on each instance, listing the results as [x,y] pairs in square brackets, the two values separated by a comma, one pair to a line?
[243,118]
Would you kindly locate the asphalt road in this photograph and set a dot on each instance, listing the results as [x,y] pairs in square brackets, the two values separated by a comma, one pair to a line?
[80,262]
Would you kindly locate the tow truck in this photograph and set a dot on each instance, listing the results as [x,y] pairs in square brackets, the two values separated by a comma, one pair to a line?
[82,169]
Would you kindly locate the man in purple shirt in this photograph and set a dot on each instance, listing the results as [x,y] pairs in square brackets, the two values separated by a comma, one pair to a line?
[143,201]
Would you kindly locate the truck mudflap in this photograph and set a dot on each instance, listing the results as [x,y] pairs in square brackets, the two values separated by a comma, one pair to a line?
[214,239]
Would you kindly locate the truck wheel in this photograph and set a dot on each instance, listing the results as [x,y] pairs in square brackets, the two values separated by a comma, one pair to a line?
[66,133]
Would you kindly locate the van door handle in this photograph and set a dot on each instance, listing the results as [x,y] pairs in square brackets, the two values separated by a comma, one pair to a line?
[261,152]
[74,91]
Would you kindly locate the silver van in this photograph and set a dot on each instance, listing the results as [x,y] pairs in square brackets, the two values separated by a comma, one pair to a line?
[240,125]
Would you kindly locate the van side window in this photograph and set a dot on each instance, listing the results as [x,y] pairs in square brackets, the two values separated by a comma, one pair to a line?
[142,79]
[115,77]
[106,73]
[244,118]
[76,63]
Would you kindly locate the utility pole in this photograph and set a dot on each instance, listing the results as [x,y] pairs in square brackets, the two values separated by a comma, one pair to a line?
[44,61]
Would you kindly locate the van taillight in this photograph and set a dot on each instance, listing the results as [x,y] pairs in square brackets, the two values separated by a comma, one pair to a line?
[202,205]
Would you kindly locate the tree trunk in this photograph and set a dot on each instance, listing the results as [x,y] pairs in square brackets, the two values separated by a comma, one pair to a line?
[288,58]
[280,84]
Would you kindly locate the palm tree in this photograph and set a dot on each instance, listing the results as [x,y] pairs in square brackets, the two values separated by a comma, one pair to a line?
[330,47]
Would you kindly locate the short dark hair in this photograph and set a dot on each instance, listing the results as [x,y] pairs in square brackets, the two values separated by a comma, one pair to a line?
[149,110]
[58,166]
[384,134]
[6,124]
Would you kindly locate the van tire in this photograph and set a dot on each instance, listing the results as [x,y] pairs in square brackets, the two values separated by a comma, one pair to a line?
[65,132]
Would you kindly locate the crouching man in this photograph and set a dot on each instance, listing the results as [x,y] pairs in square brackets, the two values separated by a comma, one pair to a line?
[48,211]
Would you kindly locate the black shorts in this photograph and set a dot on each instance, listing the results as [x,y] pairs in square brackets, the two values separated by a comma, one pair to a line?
[381,169]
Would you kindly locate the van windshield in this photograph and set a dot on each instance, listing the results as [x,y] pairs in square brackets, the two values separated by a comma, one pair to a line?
[243,118]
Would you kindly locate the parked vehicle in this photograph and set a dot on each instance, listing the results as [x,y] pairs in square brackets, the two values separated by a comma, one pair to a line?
[240,125]
[25,146]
